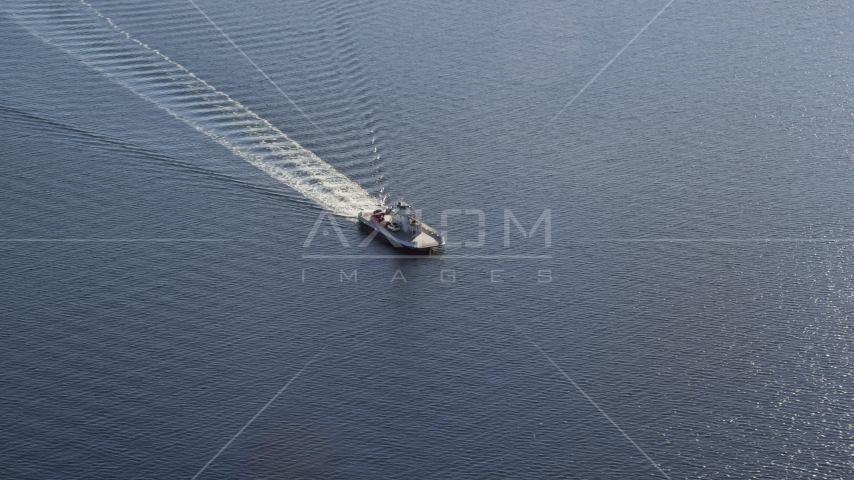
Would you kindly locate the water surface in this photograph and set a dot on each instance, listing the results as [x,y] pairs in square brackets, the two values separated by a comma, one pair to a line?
[157,192]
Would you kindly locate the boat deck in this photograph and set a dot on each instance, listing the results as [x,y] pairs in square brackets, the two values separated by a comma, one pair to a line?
[425,238]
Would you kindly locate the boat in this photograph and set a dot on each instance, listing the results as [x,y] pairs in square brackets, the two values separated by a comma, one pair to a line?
[400,226]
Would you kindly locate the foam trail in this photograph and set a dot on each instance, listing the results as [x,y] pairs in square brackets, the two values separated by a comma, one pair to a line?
[89,36]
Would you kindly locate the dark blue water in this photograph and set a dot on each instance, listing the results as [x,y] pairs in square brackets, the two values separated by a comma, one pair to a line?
[167,265]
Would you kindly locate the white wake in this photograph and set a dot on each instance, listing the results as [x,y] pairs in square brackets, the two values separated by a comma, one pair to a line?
[95,40]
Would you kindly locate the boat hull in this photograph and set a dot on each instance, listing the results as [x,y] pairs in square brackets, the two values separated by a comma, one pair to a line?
[423,239]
